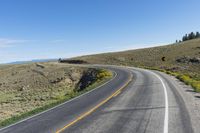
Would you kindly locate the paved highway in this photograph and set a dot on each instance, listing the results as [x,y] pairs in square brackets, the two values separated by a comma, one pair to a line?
[149,102]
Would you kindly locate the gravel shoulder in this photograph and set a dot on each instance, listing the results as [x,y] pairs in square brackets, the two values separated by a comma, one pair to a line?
[191,100]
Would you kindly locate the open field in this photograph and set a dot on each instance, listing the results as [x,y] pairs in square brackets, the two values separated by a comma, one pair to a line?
[181,58]
[26,87]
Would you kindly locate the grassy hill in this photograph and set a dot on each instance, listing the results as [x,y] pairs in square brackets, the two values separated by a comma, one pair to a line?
[180,58]
[26,89]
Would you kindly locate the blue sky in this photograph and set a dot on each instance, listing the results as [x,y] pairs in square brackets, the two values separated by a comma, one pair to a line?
[40,29]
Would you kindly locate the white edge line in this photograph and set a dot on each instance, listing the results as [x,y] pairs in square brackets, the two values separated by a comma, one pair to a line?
[166,118]
[61,103]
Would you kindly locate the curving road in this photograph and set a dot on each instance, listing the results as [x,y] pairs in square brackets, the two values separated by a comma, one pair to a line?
[149,102]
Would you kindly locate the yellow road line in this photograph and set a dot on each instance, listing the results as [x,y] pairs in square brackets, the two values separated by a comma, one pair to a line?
[117,93]
[96,107]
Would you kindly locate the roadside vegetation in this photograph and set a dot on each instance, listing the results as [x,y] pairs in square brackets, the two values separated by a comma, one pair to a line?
[180,59]
[182,77]
[186,79]
[28,89]
[189,81]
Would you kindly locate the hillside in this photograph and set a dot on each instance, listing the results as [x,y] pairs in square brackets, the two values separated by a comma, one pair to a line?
[27,87]
[181,57]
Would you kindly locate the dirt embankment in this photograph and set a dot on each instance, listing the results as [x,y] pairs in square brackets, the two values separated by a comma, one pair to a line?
[29,86]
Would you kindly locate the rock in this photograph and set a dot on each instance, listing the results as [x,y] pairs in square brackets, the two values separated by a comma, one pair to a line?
[195,60]
[42,99]
[187,59]
[40,66]
[22,88]
[86,80]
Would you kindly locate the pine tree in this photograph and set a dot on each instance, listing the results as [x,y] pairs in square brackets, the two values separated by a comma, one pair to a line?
[59,60]
[191,36]
[197,35]
[185,38]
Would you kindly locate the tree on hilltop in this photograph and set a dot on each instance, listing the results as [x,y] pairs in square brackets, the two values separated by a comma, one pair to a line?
[197,34]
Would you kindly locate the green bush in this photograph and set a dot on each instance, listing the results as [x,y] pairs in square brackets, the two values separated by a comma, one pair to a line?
[104,74]
[196,86]
[189,81]
[184,78]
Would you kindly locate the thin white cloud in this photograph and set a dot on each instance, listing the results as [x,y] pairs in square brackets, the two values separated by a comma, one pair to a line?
[4,42]
[58,41]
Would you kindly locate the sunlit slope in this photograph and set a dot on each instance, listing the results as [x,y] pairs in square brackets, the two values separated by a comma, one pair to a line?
[178,57]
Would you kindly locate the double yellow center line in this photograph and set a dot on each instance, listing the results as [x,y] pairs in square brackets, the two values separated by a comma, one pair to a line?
[96,107]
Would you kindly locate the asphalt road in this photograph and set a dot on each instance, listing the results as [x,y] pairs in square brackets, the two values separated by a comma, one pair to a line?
[149,103]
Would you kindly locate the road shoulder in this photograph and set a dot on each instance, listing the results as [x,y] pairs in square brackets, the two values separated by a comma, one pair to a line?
[190,98]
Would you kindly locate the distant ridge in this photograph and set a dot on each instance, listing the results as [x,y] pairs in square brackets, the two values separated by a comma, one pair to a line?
[32,61]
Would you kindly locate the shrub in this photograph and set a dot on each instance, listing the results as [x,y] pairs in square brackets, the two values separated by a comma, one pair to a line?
[196,86]
[103,74]
[185,79]
[189,81]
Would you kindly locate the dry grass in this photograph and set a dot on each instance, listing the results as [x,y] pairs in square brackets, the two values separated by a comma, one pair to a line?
[26,87]
[152,58]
